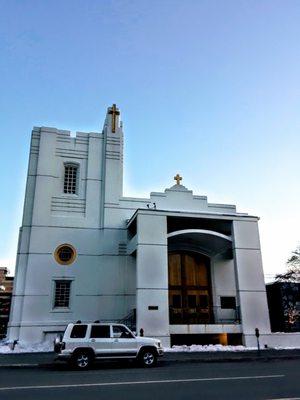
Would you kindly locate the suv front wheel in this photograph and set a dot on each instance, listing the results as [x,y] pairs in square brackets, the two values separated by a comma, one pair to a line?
[81,359]
[148,358]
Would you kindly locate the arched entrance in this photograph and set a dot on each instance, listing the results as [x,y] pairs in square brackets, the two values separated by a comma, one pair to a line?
[190,300]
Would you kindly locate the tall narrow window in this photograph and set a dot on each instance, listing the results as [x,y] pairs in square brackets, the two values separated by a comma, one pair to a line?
[70,179]
[62,294]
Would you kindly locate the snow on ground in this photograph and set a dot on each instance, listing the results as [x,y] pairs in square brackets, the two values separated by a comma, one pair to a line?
[6,347]
[209,347]
[195,348]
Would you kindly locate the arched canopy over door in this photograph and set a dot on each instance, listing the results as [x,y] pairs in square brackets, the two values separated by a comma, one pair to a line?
[207,242]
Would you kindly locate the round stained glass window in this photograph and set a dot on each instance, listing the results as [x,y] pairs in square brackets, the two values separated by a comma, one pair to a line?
[65,254]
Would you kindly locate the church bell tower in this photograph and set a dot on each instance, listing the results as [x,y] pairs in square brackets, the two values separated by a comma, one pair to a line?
[112,180]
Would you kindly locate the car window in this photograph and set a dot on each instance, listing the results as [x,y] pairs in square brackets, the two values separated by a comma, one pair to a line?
[121,332]
[78,331]
[100,331]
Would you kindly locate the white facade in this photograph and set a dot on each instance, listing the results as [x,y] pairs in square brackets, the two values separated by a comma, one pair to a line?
[122,246]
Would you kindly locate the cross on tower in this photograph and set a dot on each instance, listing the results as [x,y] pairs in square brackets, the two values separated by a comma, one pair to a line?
[177,178]
[114,112]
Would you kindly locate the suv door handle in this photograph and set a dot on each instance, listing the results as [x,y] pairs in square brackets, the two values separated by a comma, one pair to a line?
[116,340]
[92,340]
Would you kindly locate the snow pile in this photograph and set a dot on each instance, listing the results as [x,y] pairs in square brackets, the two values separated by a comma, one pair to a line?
[286,348]
[209,347]
[6,347]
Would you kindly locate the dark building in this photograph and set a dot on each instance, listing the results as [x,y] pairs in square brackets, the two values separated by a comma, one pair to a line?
[6,287]
[284,306]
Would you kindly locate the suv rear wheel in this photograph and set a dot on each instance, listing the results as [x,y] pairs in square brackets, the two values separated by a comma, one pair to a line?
[148,358]
[82,359]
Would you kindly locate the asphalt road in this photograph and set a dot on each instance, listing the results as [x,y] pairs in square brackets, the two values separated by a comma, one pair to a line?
[236,380]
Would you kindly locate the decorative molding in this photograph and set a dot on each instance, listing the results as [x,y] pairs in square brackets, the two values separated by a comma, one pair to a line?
[122,249]
[68,204]
[62,152]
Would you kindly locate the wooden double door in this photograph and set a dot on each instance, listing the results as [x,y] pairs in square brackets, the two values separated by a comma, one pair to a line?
[189,289]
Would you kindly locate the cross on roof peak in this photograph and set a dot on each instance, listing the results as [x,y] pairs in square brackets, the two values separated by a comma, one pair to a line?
[177,178]
[114,111]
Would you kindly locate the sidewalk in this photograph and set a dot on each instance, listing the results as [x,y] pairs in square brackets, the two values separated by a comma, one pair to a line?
[34,360]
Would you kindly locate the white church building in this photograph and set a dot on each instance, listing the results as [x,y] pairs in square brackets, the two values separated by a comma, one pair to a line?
[182,269]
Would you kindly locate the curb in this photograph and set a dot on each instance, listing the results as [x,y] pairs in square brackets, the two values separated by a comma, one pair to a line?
[233,359]
[165,361]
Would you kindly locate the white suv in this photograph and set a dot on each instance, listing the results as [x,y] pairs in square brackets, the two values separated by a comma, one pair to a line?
[82,343]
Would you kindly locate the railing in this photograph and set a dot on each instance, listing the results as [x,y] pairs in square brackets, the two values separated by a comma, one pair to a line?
[209,315]
[190,316]
[129,320]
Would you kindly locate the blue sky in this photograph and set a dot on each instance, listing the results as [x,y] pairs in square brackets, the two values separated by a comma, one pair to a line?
[209,89]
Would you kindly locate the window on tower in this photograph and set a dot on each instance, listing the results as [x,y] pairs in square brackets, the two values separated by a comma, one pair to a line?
[65,254]
[62,294]
[71,179]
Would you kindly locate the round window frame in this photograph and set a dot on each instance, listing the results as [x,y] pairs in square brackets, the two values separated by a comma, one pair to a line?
[57,258]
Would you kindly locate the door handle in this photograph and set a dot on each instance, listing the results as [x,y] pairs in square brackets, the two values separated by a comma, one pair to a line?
[116,340]
[92,340]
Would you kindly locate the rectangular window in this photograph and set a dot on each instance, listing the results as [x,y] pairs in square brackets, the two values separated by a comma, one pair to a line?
[70,179]
[121,332]
[228,302]
[78,331]
[203,301]
[62,294]
[192,301]
[176,298]
[100,331]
